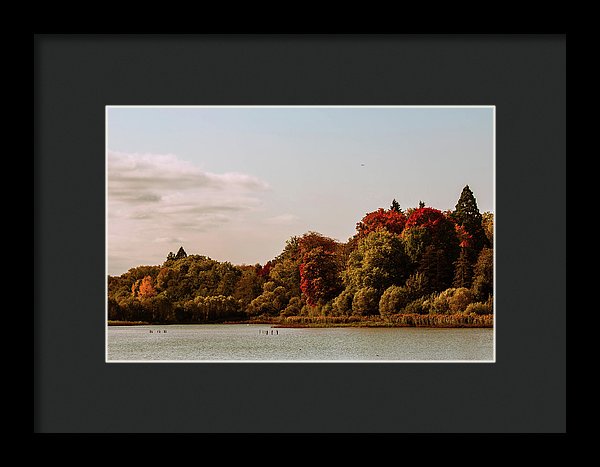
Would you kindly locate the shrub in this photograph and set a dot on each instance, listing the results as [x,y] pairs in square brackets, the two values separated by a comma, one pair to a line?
[366,301]
[393,300]
[459,300]
[440,302]
[452,300]
[417,285]
[342,304]
[480,308]
[418,306]
[293,308]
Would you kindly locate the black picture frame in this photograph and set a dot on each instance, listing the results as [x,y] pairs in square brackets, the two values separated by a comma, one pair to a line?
[76,76]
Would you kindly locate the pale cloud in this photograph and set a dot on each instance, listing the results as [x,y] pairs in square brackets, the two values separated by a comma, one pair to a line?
[164,200]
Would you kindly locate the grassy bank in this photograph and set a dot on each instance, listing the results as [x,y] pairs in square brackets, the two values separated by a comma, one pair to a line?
[127,323]
[457,320]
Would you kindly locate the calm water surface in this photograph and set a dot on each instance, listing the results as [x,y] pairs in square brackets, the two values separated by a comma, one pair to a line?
[203,342]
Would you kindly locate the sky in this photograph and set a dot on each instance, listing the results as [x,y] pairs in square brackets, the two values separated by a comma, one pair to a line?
[234,183]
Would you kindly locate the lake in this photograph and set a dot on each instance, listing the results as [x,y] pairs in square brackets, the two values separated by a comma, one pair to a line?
[242,342]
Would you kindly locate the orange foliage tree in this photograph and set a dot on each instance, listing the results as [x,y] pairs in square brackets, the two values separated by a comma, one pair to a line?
[146,289]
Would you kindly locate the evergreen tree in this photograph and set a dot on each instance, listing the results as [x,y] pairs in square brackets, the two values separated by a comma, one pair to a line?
[436,267]
[463,270]
[181,253]
[395,206]
[421,204]
[467,215]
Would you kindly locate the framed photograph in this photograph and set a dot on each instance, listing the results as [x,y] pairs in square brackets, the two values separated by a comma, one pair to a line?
[364,233]
[266,193]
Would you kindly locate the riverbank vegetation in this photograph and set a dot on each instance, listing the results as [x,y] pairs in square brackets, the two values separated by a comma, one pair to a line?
[419,267]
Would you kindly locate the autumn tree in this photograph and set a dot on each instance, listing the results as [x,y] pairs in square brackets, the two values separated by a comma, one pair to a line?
[146,289]
[391,220]
[430,228]
[320,278]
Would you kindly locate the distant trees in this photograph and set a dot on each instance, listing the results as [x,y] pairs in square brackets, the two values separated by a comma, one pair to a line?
[422,261]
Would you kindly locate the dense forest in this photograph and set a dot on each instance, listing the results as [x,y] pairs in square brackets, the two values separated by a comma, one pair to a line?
[414,267]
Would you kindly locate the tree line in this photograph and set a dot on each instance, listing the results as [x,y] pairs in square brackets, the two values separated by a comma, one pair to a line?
[418,261]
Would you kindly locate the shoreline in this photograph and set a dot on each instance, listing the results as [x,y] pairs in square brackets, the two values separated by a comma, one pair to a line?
[399,321]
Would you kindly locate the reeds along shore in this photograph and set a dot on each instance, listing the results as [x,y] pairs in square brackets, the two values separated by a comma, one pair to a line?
[457,320]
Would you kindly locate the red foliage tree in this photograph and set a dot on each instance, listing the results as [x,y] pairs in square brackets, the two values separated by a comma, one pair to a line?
[319,269]
[319,277]
[440,226]
[391,220]
[465,239]
[431,227]
[312,240]
[264,270]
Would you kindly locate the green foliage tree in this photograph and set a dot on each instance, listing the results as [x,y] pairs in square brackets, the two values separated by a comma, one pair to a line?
[378,262]
[284,270]
[487,221]
[417,285]
[293,307]
[483,280]
[366,301]
[270,302]
[248,286]
[416,240]
[342,304]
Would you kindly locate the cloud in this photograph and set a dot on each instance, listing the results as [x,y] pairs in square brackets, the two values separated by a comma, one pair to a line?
[149,177]
[162,199]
